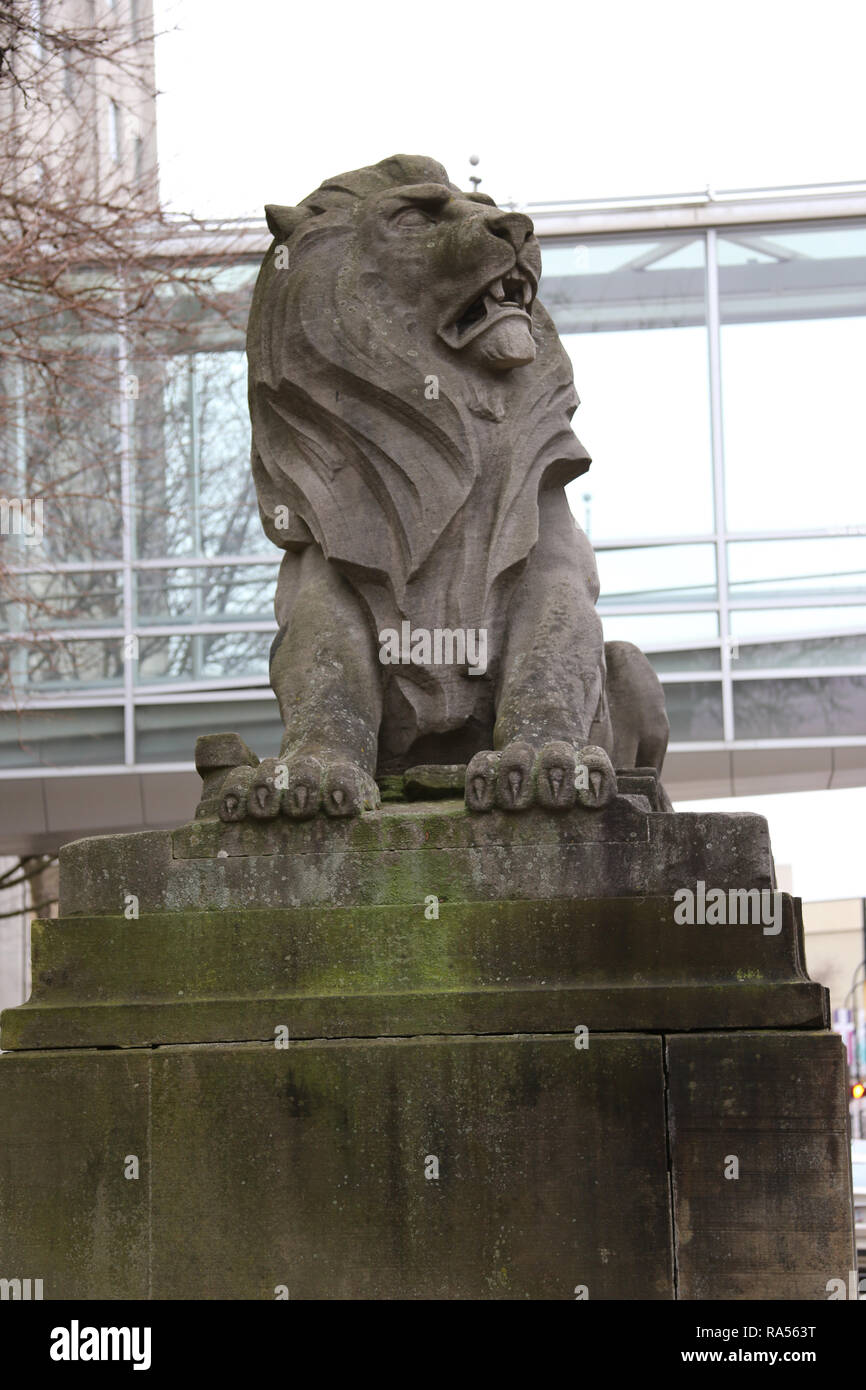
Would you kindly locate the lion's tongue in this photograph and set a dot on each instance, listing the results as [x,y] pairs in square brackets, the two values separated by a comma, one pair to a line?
[507,344]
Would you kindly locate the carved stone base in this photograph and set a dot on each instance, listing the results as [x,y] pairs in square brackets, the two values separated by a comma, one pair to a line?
[414,1056]
[487,1167]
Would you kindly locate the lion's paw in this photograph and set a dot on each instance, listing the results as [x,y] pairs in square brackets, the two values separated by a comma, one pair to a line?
[555,778]
[297,787]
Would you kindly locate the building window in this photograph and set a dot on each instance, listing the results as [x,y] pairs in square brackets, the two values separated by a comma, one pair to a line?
[68,76]
[114,132]
[632,316]
[793,311]
[37,21]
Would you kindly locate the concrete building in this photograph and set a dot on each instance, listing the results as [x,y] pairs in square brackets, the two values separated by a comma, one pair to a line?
[83,116]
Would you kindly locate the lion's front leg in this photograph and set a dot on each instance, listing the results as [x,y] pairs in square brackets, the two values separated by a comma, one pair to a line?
[552,738]
[327,680]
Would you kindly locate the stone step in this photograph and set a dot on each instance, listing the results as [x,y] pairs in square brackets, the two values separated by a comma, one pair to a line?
[402,853]
[396,970]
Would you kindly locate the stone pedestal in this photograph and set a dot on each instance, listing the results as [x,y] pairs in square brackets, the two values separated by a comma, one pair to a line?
[423,1055]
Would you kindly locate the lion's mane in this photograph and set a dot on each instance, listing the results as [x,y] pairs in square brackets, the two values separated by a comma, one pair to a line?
[345,437]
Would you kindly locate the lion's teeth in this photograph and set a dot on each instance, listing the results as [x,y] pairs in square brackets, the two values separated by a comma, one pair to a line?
[497,290]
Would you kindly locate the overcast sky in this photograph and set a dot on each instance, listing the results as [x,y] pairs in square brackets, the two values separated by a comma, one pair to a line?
[818,835]
[261,100]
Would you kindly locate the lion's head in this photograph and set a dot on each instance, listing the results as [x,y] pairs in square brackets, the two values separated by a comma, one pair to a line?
[397,355]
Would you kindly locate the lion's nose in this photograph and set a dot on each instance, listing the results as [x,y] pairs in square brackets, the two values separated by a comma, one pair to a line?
[511,226]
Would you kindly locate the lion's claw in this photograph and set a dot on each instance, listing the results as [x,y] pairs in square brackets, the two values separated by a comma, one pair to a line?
[263,799]
[235,790]
[514,782]
[303,793]
[600,788]
[347,790]
[481,776]
[555,771]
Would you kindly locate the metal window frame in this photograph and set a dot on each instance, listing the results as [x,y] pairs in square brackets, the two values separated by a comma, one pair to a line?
[703,216]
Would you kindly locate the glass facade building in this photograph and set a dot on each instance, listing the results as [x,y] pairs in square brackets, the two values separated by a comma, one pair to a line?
[719,347]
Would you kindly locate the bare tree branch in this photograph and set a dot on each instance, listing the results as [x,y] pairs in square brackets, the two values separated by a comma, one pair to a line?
[90,264]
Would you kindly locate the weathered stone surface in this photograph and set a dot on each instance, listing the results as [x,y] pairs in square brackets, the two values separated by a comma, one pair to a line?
[610,964]
[401,853]
[427,781]
[552,1170]
[410,1036]
[305,1168]
[417,918]
[218,752]
[68,1216]
[778,1104]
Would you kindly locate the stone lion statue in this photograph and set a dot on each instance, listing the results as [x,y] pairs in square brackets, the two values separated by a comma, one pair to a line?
[411,440]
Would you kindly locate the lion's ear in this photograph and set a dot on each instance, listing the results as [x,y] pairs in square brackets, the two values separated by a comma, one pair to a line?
[283,221]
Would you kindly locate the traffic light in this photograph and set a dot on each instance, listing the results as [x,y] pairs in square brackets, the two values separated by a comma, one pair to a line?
[858,1090]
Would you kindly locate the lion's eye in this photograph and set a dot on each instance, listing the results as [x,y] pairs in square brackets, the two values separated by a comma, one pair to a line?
[411,217]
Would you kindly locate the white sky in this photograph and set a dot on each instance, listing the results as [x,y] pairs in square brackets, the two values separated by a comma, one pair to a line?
[262,100]
[560,98]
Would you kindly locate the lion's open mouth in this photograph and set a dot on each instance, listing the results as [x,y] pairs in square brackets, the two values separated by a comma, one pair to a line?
[509,295]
